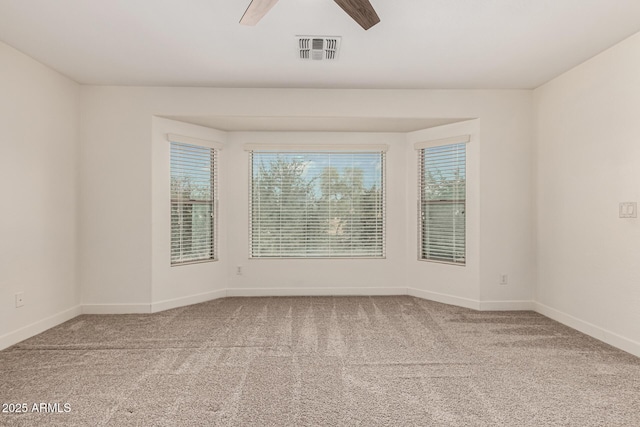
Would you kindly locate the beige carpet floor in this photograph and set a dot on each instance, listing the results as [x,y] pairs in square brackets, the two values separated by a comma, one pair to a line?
[320,361]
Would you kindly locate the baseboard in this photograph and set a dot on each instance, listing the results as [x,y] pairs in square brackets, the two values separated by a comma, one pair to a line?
[279,292]
[116,308]
[188,300]
[444,298]
[35,328]
[507,305]
[590,329]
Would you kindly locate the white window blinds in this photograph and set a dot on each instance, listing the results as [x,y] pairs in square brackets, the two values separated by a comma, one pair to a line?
[193,196]
[442,202]
[317,204]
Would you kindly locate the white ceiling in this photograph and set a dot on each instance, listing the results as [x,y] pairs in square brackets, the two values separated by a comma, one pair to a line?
[430,44]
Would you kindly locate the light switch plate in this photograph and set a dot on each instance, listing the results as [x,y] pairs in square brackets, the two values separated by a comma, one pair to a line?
[628,210]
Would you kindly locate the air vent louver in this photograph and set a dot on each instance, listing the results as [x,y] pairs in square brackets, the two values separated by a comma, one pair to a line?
[318,47]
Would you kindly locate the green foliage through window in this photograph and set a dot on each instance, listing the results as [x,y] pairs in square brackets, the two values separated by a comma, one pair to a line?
[315,205]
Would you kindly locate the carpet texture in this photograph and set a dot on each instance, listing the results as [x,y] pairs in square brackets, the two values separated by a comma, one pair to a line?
[320,361]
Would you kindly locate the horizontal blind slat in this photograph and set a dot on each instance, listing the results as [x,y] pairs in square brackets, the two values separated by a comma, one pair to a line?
[316,204]
[442,191]
[193,181]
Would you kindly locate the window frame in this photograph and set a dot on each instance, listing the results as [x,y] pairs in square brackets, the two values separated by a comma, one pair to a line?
[380,149]
[213,151]
[420,148]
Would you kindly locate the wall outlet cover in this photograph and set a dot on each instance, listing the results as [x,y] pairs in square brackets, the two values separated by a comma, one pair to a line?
[628,210]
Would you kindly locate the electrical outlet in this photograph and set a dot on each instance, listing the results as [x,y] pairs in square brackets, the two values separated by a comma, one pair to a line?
[19,299]
[239,270]
[504,279]
[628,210]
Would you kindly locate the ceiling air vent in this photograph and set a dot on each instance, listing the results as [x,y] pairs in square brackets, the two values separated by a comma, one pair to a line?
[318,48]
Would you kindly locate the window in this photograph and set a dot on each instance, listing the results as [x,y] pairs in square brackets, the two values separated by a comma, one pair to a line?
[193,196]
[317,204]
[442,203]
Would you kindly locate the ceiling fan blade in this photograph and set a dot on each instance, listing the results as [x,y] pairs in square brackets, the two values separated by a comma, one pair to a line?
[256,10]
[361,11]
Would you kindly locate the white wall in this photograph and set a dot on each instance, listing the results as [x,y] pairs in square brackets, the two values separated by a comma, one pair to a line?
[116,186]
[115,201]
[321,276]
[435,280]
[588,160]
[191,283]
[38,182]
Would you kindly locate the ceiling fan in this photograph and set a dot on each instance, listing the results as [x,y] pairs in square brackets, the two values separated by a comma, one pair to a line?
[360,10]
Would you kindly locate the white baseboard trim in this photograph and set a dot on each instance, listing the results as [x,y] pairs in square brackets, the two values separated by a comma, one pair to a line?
[472,303]
[35,328]
[444,298]
[507,305]
[590,329]
[116,308]
[188,300]
[279,292]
